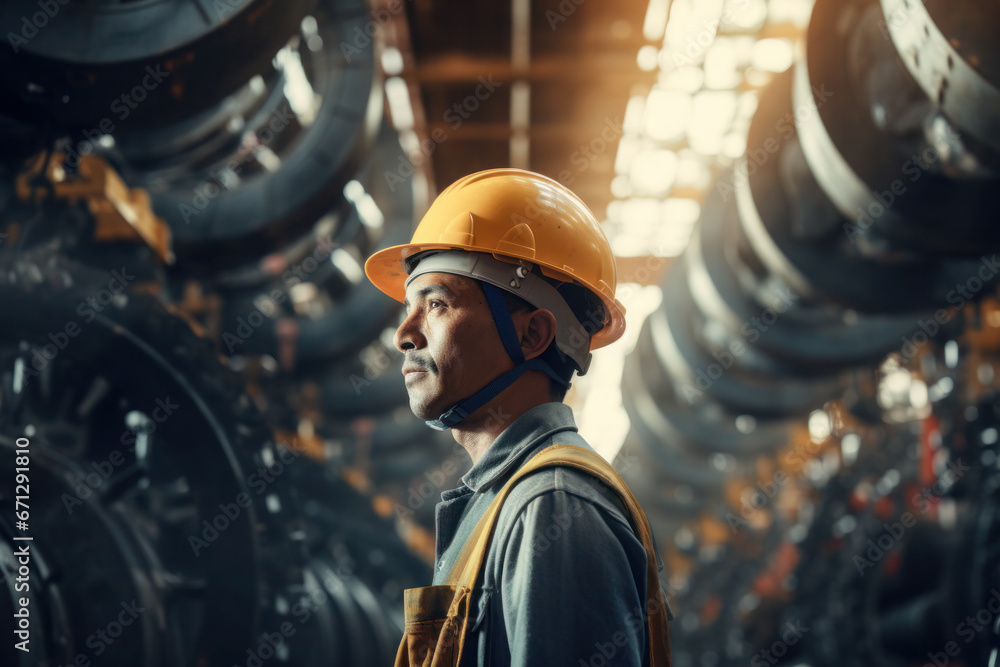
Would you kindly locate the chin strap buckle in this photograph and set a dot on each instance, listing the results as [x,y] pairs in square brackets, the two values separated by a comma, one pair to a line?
[448,419]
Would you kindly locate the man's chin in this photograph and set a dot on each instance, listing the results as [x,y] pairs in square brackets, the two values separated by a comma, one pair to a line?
[424,409]
[426,401]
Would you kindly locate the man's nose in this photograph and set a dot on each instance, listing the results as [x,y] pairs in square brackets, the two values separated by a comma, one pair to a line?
[407,335]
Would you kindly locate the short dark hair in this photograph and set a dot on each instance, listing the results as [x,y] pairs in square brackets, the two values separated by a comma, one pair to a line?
[581,303]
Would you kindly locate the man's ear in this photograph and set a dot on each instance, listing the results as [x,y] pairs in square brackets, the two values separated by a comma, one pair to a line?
[537,332]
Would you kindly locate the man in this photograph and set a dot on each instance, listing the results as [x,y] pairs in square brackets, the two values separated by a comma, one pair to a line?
[508,283]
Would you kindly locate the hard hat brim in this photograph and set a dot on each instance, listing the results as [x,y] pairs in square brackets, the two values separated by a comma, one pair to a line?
[387,272]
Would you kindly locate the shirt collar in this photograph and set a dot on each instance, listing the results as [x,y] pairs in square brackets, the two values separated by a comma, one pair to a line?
[527,430]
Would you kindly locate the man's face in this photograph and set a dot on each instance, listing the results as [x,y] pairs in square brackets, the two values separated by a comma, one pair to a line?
[450,341]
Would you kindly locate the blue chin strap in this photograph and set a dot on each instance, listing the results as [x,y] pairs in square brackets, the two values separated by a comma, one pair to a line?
[508,336]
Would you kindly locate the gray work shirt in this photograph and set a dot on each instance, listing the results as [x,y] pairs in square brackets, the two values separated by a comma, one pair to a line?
[564,582]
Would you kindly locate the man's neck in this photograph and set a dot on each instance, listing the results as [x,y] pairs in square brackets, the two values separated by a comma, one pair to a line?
[477,432]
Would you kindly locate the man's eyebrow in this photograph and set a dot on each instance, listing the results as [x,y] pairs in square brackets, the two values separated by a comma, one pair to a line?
[426,290]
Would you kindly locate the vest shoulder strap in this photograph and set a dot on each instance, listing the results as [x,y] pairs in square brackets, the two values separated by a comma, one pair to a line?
[465,571]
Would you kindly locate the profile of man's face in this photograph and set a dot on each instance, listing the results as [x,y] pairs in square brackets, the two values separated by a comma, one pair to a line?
[450,341]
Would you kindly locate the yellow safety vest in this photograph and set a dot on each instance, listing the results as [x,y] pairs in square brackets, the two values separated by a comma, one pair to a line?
[438,617]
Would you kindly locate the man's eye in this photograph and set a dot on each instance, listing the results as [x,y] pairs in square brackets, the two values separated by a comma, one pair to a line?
[434,303]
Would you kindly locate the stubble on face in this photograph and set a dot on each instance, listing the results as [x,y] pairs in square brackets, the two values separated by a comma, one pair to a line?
[460,346]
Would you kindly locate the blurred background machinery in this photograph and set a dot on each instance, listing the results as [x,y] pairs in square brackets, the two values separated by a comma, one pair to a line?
[224,468]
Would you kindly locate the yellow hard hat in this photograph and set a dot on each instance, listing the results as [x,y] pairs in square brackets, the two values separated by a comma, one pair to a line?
[515,215]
